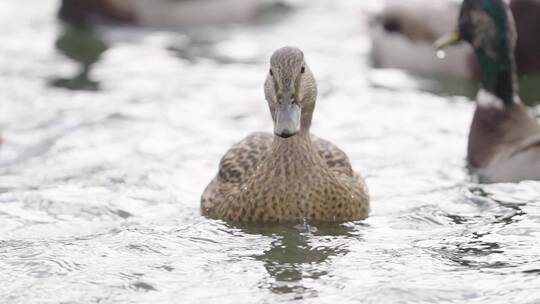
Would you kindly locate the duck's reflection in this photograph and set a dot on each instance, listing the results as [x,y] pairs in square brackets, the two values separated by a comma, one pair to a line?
[300,253]
[80,40]
[83,45]
[172,14]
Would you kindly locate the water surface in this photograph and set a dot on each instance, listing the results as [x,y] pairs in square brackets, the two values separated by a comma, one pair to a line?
[107,149]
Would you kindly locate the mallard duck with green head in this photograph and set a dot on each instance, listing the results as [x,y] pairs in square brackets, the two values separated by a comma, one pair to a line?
[402,36]
[504,139]
[289,176]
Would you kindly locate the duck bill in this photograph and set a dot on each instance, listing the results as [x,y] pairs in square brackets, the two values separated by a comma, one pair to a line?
[287,117]
[448,39]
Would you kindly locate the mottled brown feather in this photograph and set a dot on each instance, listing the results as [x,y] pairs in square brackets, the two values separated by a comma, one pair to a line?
[266,178]
[240,164]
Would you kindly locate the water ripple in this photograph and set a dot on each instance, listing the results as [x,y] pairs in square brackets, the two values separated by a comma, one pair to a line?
[101,172]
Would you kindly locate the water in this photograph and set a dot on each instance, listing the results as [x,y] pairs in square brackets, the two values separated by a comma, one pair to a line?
[100,184]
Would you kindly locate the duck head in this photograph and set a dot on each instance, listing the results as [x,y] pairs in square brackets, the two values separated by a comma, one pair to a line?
[488,26]
[291,91]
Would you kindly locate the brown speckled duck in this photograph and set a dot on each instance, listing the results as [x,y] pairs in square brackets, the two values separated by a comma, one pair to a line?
[291,175]
[504,139]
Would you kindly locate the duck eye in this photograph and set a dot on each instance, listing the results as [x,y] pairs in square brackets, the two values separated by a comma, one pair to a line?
[271,72]
[302,70]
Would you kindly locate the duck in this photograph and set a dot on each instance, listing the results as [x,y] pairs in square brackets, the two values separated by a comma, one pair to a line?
[526,14]
[402,37]
[290,175]
[504,139]
[161,13]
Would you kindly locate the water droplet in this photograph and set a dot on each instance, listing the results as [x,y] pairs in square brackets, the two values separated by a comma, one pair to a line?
[441,54]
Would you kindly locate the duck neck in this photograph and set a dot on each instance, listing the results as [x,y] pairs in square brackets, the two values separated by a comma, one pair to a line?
[299,144]
[293,156]
[496,59]
[498,75]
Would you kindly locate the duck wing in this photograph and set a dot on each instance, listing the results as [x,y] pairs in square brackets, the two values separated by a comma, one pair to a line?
[520,162]
[240,162]
[530,145]
[334,157]
[339,163]
[243,158]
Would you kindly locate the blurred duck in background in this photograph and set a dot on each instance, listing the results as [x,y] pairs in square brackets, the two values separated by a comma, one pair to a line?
[84,43]
[292,175]
[402,37]
[504,140]
[527,18]
[163,13]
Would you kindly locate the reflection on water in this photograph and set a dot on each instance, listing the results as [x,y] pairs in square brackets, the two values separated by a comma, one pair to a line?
[528,85]
[293,257]
[474,249]
[100,182]
[83,45]
[83,42]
